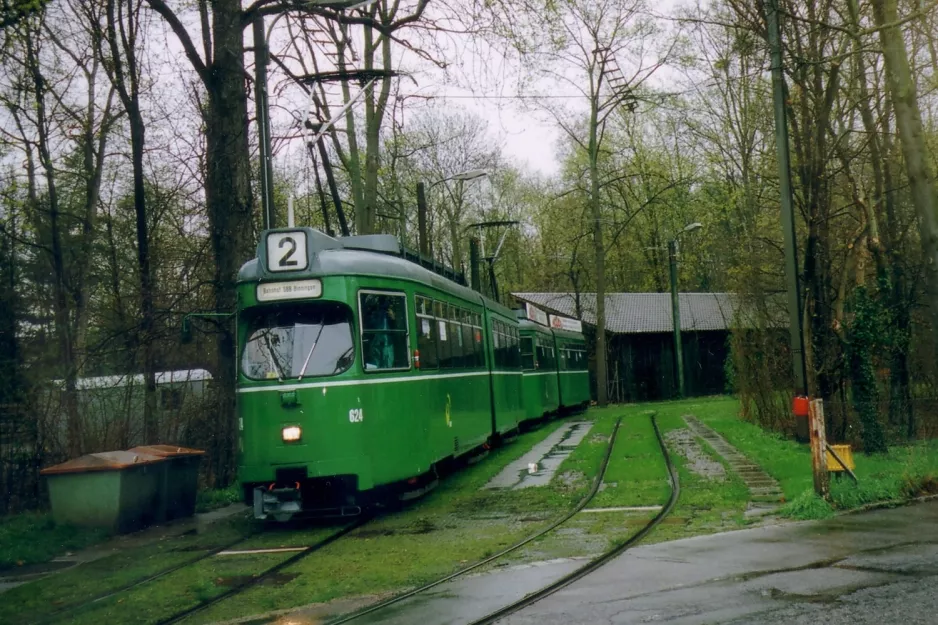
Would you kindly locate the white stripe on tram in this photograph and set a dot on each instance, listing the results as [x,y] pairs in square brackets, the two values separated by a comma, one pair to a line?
[407,378]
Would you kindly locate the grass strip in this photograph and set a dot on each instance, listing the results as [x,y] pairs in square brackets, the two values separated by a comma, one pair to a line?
[180,590]
[637,474]
[906,471]
[39,599]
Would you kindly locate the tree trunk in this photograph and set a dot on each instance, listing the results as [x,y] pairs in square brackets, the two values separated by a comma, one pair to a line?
[904,98]
[229,204]
[63,329]
[125,75]
[599,253]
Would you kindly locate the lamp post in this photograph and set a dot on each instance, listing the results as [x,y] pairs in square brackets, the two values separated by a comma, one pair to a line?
[676,308]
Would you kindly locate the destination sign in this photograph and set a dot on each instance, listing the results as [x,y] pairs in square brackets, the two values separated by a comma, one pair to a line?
[295,289]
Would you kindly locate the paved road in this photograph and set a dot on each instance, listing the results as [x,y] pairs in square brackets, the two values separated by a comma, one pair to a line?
[877,567]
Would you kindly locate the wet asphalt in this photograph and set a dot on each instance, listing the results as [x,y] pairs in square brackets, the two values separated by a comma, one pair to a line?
[876,567]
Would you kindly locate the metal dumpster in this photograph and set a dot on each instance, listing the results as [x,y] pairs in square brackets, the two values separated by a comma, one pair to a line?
[179,485]
[117,490]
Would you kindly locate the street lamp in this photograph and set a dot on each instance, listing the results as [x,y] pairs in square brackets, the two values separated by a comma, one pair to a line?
[676,308]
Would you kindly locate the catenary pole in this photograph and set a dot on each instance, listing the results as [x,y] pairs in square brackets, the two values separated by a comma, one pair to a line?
[676,318]
[263,121]
[788,215]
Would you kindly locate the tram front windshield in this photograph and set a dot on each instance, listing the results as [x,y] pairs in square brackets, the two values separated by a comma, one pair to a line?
[298,341]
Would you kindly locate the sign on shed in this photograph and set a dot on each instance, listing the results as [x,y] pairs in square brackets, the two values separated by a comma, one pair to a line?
[564,323]
[535,314]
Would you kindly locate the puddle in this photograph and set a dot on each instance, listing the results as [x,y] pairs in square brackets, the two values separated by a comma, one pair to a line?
[537,466]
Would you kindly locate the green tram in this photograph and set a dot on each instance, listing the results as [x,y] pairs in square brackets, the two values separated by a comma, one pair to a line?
[361,373]
[554,363]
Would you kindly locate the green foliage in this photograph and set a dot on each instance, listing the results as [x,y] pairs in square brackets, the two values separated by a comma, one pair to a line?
[870,324]
[13,11]
[214,498]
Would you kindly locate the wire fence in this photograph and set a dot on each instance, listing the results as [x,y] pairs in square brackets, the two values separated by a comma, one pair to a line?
[35,433]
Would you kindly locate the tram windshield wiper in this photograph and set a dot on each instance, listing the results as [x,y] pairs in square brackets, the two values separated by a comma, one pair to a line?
[322,326]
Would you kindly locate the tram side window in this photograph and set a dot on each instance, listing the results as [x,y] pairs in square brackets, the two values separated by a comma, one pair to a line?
[477,339]
[384,331]
[527,353]
[455,337]
[545,354]
[427,335]
[515,348]
[469,346]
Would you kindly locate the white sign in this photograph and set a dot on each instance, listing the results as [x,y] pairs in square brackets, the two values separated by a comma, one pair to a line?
[295,289]
[564,323]
[286,251]
[535,314]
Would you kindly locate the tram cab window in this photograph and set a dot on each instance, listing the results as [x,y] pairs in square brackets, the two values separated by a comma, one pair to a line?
[527,353]
[384,331]
[298,340]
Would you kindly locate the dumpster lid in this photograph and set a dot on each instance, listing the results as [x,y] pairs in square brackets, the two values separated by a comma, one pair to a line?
[103,461]
[167,451]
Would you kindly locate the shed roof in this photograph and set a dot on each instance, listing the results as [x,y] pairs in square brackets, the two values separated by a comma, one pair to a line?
[644,313]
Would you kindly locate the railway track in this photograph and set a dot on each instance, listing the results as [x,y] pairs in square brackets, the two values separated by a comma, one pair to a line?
[266,574]
[77,608]
[84,605]
[564,581]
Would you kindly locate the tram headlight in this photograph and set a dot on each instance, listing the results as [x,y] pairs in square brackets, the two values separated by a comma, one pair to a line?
[291,434]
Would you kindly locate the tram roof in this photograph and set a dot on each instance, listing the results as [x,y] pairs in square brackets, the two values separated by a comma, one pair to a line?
[328,257]
[527,324]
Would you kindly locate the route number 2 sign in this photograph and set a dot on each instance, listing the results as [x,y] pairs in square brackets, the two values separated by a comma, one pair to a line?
[286,251]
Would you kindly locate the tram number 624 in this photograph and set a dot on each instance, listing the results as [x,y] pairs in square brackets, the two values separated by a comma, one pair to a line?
[356,415]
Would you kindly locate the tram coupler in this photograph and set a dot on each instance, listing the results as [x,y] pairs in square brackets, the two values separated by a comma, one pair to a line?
[281,503]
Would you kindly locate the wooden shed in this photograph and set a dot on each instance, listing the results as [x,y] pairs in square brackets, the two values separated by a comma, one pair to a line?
[641,341]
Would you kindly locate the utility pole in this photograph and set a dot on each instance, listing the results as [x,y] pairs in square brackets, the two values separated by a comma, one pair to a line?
[788,214]
[423,241]
[474,281]
[676,318]
[263,122]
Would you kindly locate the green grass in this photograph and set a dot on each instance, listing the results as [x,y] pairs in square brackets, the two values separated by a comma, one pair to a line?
[636,475]
[906,471]
[213,498]
[43,597]
[34,537]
